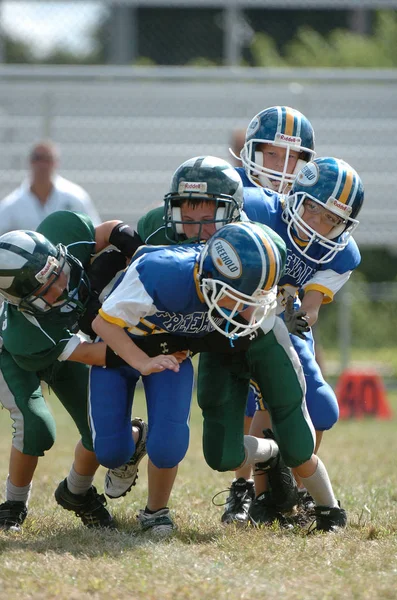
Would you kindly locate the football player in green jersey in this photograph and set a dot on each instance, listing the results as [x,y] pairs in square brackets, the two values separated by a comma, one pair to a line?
[43,279]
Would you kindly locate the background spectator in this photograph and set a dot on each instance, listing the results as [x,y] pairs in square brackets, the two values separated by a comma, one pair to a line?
[42,193]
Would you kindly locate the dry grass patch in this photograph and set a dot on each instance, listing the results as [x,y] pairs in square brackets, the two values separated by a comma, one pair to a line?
[55,557]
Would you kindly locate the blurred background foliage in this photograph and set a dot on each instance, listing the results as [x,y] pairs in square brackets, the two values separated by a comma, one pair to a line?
[339,48]
[306,46]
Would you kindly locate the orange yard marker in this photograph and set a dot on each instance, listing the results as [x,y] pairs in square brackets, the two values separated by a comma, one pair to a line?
[362,394]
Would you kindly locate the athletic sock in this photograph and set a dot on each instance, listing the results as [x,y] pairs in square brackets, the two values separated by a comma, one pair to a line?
[78,484]
[319,486]
[258,450]
[152,512]
[18,494]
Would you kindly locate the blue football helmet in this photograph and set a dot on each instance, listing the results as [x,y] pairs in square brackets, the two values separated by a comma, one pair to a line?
[203,179]
[242,262]
[326,183]
[282,127]
[29,265]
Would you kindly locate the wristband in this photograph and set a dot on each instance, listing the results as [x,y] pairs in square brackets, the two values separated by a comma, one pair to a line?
[125,239]
[113,360]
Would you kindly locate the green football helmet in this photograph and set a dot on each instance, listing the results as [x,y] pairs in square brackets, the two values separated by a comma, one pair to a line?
[28,263]
[199,180]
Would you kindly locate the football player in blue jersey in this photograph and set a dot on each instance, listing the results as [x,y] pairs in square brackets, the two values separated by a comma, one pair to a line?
[316,220]
[278,142]
[187,291]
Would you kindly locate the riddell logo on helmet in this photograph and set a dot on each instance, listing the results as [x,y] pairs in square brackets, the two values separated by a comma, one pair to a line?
[192,186]
[226,259]
[50,266]
[339,207]
[281,137]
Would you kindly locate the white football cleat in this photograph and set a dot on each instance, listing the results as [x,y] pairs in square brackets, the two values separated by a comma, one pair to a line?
[119,481]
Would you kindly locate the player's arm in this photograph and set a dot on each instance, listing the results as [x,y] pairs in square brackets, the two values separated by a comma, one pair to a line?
[320,289]
[73,348]
[311,303]
[90,354]
[102,355]
[299,320]
[123,346]
[118,234]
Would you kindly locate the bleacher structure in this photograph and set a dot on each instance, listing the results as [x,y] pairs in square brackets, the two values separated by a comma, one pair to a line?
[123,131]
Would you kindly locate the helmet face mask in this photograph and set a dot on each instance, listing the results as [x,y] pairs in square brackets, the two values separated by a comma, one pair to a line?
[223,211]
[29,266]
[215,292]
[239,268]
[336,189]
[200,181]
[280,127]
[52,271]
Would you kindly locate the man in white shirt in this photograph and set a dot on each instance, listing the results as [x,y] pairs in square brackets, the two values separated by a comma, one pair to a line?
[44,193]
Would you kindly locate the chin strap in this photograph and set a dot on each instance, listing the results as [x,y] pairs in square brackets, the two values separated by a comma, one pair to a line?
[234,336]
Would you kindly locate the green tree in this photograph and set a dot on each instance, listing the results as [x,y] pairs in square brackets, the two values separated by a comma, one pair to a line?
[16,51]
[264,51]
[340,48]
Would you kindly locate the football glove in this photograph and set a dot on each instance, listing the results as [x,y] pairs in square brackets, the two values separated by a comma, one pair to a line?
[295,319]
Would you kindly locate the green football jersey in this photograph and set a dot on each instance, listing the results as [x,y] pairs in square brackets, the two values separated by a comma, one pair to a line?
[36,341]
[151,228]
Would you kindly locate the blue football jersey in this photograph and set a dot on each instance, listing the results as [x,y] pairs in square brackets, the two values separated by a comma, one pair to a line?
[159,293]
[244,178]
[266,206]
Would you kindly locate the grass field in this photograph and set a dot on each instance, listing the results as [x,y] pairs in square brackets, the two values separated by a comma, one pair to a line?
[56,557]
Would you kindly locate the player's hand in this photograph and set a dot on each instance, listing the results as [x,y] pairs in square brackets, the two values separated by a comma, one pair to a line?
[158,364]
[295,319]
[181,356]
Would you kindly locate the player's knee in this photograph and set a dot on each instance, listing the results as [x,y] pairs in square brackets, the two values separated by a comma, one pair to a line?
[36,446]
[296,454]
[167,451]
[222,466]
[223,448]
[295,459]
[327,420]
[40,436]
[166,459]
[112,453]
[324,411]
[222,462]
[46,441]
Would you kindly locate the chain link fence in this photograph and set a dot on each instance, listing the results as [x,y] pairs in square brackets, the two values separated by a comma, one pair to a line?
[123,131]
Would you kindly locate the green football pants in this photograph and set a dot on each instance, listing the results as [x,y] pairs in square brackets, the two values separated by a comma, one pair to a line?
[223,385]
[34,425]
